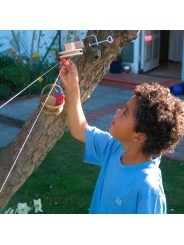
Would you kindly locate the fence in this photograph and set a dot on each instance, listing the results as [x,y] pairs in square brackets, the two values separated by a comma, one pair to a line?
[45,44]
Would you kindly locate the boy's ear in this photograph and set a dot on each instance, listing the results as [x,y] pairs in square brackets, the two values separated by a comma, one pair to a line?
[139,138]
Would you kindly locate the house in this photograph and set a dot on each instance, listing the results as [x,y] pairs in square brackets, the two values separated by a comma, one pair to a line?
[153,49]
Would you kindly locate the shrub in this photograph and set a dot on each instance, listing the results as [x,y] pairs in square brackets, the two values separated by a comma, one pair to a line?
[13,78]
[5,61]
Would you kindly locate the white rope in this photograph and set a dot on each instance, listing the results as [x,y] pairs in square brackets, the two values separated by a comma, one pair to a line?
[28,136]
[27,87]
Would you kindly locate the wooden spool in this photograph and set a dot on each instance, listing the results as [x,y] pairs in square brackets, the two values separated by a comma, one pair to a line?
[69,53]
[49,108]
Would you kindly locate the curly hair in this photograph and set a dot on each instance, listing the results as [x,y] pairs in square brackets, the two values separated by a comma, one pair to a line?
[160,115]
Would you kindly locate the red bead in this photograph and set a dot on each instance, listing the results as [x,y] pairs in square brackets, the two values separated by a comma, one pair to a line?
[63,60]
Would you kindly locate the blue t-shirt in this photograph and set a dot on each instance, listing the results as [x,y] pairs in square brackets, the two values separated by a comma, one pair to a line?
[122,189]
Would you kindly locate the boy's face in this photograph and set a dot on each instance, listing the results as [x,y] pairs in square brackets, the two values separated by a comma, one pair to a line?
[122,125]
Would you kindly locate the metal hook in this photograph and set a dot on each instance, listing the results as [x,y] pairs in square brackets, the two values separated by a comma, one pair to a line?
[95,40]
[109,40]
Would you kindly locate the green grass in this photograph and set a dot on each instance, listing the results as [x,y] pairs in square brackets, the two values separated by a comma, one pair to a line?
[65,184]
[63,181]
[173,181]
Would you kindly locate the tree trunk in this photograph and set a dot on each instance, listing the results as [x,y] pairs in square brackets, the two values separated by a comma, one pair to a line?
[92,67]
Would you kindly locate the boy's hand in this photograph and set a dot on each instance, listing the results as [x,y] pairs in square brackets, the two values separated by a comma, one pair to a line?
[69,74]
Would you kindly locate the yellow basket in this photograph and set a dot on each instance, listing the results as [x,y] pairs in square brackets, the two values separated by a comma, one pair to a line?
[49,108]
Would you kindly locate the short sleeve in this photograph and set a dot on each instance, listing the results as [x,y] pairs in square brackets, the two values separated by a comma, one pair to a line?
[98,144]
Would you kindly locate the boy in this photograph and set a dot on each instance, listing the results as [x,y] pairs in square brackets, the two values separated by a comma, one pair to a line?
[150,124]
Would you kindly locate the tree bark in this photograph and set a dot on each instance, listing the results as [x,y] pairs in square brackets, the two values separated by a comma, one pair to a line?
[92,67]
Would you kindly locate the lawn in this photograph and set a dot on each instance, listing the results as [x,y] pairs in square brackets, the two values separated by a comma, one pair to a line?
[173,181]
[65,184]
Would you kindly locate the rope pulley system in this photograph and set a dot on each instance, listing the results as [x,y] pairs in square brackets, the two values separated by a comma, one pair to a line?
[53,102]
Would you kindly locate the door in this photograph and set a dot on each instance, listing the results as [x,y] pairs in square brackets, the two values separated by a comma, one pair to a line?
[164,46]
[130,55]
[150,46]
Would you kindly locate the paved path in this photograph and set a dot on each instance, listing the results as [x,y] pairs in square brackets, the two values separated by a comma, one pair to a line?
[99,110]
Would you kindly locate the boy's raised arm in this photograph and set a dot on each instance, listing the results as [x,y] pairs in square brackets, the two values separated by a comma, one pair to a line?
[75,115]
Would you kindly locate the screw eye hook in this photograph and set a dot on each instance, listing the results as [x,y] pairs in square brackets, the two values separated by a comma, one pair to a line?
[96,41]
[109,39]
